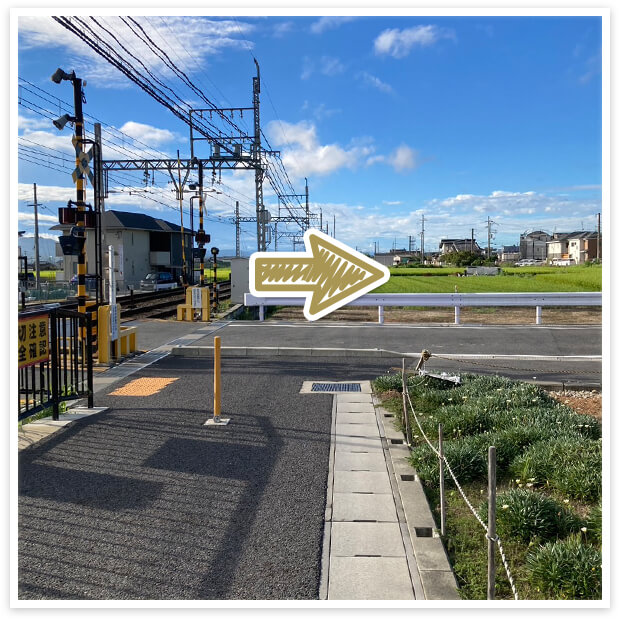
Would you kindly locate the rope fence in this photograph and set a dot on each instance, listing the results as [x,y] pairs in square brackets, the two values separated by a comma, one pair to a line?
[492,538]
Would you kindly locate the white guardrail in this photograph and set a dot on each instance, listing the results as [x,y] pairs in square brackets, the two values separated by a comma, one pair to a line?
[455,300]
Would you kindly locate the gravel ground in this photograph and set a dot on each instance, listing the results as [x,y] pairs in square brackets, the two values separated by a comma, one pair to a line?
[589,402]
[144,502]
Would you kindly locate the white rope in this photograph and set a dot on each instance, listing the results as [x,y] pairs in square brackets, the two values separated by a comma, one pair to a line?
[469,505]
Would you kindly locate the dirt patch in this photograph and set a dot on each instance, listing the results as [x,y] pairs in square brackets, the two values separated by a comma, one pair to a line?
[469,316]
[589,403]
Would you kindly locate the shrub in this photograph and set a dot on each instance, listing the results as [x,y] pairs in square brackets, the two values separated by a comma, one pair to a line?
[394,382]
[594,524]
[571,465]
[527,515]
[566,569]
[466,460]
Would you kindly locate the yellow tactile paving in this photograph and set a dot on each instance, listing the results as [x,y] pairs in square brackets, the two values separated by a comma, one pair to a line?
[147,386]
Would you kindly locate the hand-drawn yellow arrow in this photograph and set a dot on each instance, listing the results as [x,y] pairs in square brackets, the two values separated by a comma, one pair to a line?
[329,274]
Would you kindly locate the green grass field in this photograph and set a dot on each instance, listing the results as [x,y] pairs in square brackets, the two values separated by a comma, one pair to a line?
[512,280]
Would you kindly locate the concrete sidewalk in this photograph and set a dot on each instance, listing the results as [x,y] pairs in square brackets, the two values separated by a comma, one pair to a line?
[380,542]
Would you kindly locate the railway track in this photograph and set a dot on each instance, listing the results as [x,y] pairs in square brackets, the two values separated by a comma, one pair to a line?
[157,305]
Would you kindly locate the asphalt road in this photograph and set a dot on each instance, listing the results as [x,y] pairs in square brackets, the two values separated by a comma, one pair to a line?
[512,340]
[145,502]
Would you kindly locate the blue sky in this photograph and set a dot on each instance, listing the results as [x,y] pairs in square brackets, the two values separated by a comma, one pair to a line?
[389,118]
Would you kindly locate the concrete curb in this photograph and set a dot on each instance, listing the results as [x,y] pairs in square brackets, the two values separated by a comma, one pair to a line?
[30,434]
[438,581]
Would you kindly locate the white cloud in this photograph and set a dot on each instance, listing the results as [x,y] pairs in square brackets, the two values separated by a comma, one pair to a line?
[403,158]
[392,202]
[44,220]
[325,65]
[328,23]
[283,28]
[319,111]
[148,133]
[204,37]
[27,123]
[331,66]
[375,82]
[303,154]
[399,43]
[455,216]
[46,193]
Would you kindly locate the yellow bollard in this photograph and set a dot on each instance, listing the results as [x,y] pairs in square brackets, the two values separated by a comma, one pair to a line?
[217,381]
[217,386]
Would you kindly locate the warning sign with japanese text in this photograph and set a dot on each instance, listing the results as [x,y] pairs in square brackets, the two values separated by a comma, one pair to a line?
[33,340]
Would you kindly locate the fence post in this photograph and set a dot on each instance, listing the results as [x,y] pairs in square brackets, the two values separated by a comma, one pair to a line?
[442,486]
[405,412]
[380,315]
[491,527]
[261,312]
[55,365]
[457,315]
[538,315]
[89,361]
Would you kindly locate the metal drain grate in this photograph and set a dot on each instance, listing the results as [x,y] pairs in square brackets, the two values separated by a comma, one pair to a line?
[336,387]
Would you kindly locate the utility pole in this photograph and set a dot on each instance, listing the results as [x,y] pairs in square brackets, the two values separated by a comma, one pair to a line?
[334,229]
[422,242]
[237,231]
[99,195]
[37,267]
[472,241]
[258,176]
[489,222]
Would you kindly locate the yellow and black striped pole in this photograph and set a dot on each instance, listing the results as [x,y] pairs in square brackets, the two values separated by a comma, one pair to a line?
[80,202]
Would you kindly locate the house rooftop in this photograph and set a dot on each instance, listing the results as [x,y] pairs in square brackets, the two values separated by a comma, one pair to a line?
[136,221]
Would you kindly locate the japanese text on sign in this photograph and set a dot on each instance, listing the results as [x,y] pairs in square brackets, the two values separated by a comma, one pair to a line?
[33,340]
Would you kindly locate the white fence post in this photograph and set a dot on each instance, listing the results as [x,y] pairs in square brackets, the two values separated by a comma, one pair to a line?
[261,312]
[457,315]
[538,315]
[380,315]
[491,527]
[442,485]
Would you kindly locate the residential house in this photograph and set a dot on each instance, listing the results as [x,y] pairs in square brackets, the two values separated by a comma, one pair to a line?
[533,245]
[141,243]
[509,253]
[459,245]
[572,248]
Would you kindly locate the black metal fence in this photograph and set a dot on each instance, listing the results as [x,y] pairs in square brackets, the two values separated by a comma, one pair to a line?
[66,373]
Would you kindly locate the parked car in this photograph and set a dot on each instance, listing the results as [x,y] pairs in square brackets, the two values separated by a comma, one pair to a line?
[158,281]
[91,281]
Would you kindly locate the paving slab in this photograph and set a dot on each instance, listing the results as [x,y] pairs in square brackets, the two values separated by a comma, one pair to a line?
[363,507]
[356,430]
[358,444]
[362,482]
[369,579]
[359,461]
[358,407]
[353,397]
[359,539]
[439,586]
[348,417]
